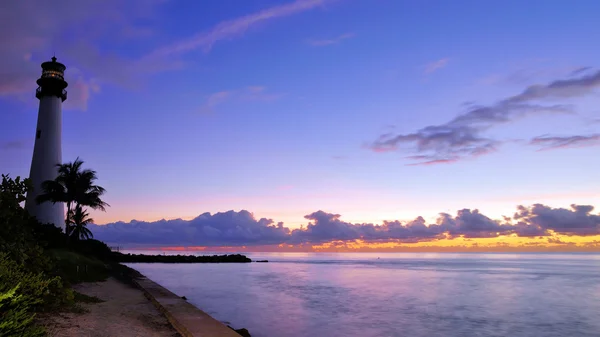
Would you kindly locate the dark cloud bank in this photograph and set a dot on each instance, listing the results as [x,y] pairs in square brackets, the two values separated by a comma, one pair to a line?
[464,136]
[242,229]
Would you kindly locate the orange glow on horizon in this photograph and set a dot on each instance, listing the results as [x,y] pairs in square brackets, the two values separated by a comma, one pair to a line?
[510,243]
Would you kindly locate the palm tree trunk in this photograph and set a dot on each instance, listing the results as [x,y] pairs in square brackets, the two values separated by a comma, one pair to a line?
[67,221]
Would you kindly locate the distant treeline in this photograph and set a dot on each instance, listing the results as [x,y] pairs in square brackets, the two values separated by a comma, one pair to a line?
[132,258]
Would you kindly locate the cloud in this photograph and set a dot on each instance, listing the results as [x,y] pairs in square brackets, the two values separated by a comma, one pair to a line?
[472,224]
[328,42]
[580,71]
[80,90]
[463,136]
[248,94]
[242,228]
[220,229]
[31,31]
[557,241]
[578,220]
[14,145]
[436,65]
[557,142]
[234,28]
[258,93]
[217,98]
[524,76]
[569,88]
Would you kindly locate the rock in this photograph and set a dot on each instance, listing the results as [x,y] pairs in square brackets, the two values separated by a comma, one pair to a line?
[242,332]
[133,258]
[183,297]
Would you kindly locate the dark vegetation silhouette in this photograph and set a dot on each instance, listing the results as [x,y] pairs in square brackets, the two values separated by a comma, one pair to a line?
[39,262]
[76,188]
[235,258]
[78,221]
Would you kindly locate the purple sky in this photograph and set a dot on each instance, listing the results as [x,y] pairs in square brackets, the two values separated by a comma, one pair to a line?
[375,110]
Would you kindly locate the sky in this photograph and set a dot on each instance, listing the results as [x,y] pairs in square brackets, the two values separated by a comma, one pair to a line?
[320,124]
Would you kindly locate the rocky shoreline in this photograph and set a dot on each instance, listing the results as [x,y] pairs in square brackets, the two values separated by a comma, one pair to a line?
[141,258]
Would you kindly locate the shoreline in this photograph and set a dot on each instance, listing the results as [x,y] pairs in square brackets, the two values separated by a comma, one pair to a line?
[144,258]
[183,316]
[186,318]
[128,301]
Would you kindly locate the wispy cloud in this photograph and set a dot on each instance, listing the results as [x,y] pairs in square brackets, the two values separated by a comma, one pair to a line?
[547,142]
[33,29]
[462,137]
[258,93]
[242,228]
[217,98]
[580,70]
[327,42]
[250,93]
[573,87]
[434,66]
[528,75]
[14,145]
[236,27]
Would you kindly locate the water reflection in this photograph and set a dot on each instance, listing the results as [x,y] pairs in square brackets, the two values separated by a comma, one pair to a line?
[396,295]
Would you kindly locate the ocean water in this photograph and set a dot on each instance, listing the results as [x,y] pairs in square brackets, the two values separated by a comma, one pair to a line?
[416,295]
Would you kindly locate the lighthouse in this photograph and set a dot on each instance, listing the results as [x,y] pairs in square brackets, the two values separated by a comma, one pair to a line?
[47,151]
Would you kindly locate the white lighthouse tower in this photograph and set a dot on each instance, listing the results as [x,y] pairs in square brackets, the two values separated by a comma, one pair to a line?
[47,151]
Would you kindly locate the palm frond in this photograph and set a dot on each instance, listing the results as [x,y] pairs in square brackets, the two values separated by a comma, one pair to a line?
[74,185]
[80,216]
[52,191]
[86,233]
[79,220]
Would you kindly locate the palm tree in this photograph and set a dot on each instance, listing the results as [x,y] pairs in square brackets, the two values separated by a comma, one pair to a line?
[75,187]
[79,220]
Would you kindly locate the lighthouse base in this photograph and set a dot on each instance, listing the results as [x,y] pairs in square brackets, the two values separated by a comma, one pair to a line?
[47,212]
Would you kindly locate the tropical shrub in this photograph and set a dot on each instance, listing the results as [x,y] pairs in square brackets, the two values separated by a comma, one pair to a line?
[16,318]
[75,268]
[93,248]
[37,261]
[20,234]
[23,293]
[27,283]
[47,293]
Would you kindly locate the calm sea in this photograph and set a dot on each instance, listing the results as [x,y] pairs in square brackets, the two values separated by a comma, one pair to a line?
[416,295]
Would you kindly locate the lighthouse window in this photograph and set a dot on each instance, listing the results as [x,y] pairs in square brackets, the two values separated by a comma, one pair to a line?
[52,73]
[38,134]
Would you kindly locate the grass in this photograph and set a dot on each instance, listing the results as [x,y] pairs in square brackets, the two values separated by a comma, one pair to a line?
[76,268]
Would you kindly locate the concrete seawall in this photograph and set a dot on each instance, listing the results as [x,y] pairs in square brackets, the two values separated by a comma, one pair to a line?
[188,320]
